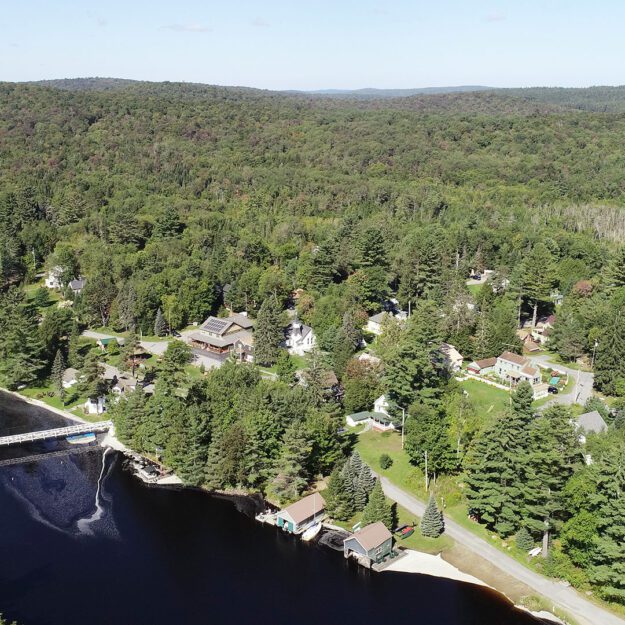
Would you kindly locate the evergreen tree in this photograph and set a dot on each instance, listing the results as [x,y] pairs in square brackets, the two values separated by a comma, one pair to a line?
[285,367]
[522,399]
[610,359]
[432,524]
[349,481]
[377,509]
[160,325]
[269,333]
[615,274]
[538,276]
[192,465]
[58,368]
[290,467]
[339,503]
[524,540]
[326,446]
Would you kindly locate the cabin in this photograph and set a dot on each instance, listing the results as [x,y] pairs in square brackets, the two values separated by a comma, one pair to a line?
[300,338]
[482,367]
[376,420]
[452,357]
[370,545]
[540,390]
[70,377]
[301,514]
[76,286]
[225,336]
[105,342]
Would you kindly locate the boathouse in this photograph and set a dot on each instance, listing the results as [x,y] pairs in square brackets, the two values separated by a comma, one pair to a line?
[369,545]
[299,515]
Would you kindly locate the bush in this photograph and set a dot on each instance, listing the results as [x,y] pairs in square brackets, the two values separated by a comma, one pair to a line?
[523,540]
[386,461]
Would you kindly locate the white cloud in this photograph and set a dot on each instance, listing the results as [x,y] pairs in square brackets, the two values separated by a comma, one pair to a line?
[259,22]
[187,28]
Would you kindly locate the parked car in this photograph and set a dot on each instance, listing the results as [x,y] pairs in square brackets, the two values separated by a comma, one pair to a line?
[553,390]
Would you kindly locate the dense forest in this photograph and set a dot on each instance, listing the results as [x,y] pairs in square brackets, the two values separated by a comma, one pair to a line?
[177,201]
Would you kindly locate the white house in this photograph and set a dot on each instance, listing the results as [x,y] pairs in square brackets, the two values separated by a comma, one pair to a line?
[381,405]
[453,358]
[300,338]
[95,406]
[374,323]
[70,377]
[53,279]
[514,369]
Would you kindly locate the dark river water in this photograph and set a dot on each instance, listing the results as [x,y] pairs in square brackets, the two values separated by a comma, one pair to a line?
[83,542]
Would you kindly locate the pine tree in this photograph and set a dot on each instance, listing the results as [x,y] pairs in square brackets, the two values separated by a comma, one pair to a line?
[268,333]
[58,368]
[350,483]
[523,539]
[160,325]
[615,274]
[522,399]
[538,276]
[610,359]
[377,509]
[339,503]
[432,524]
[290,466]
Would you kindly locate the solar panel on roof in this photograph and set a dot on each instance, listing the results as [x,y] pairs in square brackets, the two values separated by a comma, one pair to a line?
[215,325]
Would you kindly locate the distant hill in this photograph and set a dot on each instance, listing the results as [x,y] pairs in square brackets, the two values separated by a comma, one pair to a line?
[391,93]
[598,99]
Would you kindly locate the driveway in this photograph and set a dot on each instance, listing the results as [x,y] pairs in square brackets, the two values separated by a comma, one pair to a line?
[568,599]
[157,348]
[582,385]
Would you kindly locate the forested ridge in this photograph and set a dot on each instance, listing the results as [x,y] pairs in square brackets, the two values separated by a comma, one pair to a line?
[177,201]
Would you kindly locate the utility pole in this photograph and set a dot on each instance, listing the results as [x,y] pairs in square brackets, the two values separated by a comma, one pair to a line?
[594,352]
[426,471]
[403,421]
[577,386]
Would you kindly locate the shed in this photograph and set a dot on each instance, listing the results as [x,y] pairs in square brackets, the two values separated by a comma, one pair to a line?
[299,515]
[373,542]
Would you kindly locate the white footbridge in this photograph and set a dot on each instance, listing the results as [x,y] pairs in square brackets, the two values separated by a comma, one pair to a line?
[43,435]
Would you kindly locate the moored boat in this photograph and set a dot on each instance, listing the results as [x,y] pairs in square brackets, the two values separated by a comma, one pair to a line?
[81,439]
[311,532]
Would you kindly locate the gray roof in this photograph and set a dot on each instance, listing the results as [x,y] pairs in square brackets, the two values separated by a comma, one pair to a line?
[371,536]
[77,285]
[380,417]
[70,374]
[592,422]
[379,317]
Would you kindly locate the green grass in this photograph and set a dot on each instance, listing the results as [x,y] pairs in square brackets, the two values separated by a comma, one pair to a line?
[487,399]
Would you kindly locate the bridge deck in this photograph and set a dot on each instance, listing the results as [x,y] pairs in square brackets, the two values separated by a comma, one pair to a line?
[42,435]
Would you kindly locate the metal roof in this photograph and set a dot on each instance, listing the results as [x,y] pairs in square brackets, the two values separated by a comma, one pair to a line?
[371,536]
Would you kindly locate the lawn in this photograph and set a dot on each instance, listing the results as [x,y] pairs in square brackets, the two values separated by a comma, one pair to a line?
[487,399]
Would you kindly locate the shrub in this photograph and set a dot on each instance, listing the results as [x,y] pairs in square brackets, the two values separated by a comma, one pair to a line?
[385,461]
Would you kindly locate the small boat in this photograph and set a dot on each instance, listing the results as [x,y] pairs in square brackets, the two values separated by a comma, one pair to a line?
[311,532]
[81,439]
[408,531]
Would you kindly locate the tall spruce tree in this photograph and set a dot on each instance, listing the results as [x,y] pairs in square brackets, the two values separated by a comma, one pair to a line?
[377,509]
[160,325]
[432,524]
[291,476]
[56,375]
[610,359]
[339,502]
[268,333]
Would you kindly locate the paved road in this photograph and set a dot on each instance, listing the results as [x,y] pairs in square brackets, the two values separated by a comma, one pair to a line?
[90,334]
[579,393]
[565,597]
[157,348]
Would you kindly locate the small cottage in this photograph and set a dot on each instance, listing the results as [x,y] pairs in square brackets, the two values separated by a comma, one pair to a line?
[371,544]
[77,285]
[95,405]
[300,338]
[374,323]
[53,279]
[301,514]
[482,367]
[452,357]
[70,377]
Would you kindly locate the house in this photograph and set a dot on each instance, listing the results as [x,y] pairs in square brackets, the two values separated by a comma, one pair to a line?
[543,329]
[70,377]
[95,405]
[53,279]
[374,323]
[123,384]
[590,423]
[513,368]
[540,390]
[482,367]
[77,285]
[381,405]
[104,342]
[225,336]
[371,544]
[301,514]
[452,357]
[300,338]
[376,420]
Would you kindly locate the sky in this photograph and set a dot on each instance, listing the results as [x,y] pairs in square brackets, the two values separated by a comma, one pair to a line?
[317,44]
